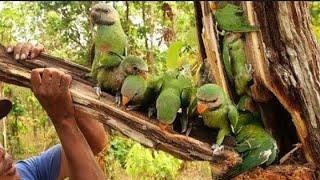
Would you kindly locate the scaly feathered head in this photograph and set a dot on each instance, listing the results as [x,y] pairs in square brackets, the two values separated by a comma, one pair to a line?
[210,97]
[133,88]
[134,65]
[104,14]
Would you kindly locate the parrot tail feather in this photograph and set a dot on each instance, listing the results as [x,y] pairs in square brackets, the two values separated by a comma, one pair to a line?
[250,161]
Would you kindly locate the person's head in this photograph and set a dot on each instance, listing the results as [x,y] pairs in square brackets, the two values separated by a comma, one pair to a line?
[7,168]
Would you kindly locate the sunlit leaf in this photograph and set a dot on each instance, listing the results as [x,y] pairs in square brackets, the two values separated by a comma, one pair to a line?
[173,59]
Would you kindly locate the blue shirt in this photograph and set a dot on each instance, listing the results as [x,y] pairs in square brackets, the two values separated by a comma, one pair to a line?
[43,167]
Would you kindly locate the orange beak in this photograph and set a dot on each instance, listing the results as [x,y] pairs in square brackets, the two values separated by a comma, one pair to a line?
[213,6]
[125,100]
[163,126]
[144,75]
[201,107]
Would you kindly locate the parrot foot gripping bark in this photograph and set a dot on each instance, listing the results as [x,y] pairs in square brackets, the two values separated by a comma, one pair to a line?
[118,99]
[217,149]
[98,91]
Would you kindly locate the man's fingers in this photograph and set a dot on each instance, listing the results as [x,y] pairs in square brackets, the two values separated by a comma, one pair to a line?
[36,51]
[17,51]
[11,171]
[25,50]
[56,78]
[66,81]
[36,78]
[10,49]
[46,77]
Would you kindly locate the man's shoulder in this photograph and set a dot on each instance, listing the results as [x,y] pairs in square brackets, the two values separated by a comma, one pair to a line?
[44,166]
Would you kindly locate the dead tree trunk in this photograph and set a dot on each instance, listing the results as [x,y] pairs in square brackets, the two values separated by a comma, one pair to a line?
[285,59]
[286,56]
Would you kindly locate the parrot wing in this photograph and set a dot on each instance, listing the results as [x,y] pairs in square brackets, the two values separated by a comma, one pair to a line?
[252,159]
[233,117]
[231,18]
[227,61]
[248,144]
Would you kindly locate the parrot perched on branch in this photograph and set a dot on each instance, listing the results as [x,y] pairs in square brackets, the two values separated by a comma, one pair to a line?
[216,109]
[111,79]
[235,63]
[140,92]
[257,145]
[231,18]
[110,42]
[174,94]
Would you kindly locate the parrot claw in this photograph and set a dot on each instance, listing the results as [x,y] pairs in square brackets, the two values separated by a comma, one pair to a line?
[132,107]
[222,32]
[217,149]
[188,131]
[151,111]
[98,91]
[249,68]
[86,75]
[118,100]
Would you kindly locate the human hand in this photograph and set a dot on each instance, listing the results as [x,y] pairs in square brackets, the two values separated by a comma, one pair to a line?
[6,164]
[25,50]
[51,87]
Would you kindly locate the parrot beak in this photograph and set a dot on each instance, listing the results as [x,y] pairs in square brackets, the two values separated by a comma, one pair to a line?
[144,75]
[201,107]
[163,126]
[213,6]
[125,100]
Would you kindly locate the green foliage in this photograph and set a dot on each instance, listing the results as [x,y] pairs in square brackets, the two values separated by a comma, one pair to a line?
[145,164]
[166,166]
[315,18]
[173,58]
[120,148]
[140,162]
[6,90]
[17,108]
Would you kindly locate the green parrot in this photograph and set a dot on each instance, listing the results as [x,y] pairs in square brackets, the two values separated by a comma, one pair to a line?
[141,92]
[235,63]
[231,18]
[257,145]
[110,42]
[258,148]
[111,79]
[174,94]
[247,114]
[216,109]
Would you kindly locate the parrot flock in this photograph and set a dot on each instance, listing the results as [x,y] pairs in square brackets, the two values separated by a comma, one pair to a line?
[173,92]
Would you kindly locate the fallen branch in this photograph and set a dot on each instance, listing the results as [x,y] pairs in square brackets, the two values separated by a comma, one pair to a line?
[133,124]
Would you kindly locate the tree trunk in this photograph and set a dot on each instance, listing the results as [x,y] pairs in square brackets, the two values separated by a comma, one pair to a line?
[285,59]
[287,63]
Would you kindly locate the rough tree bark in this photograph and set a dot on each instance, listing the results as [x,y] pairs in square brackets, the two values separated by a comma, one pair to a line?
[285,59]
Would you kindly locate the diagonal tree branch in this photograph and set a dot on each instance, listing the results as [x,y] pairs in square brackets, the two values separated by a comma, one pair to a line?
[133,124]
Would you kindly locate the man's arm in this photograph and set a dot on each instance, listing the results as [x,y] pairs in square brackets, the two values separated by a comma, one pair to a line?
[92,130]
[51,87]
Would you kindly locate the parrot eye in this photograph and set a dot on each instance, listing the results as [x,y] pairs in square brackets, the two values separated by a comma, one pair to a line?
[135,68]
